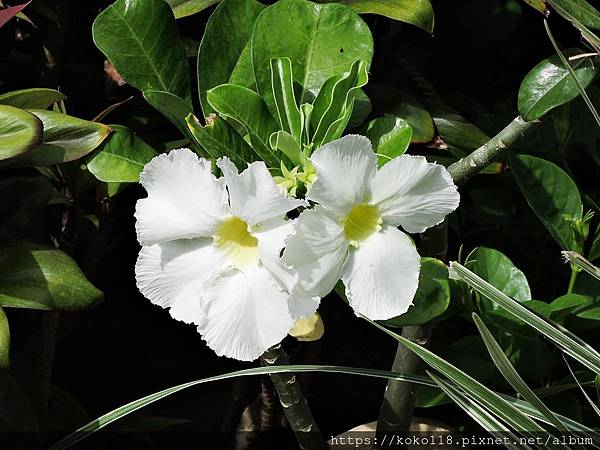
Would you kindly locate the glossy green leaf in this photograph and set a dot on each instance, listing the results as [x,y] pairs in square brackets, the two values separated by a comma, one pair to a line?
[35,276]
[224,53]
[121,157]
[580,10]
[22,212]
[415,12]
[361,110]
[565,340]
[549,84]
[333,106]
[285,142]
[184,8]
[288,112]
[173,108]
[566,304]
[66,138]
[497,269]
[218,138]
[321,41]
[37,98]
[431,299]
[19,131]
[458,132]
[394,102]
[512,376]
[390,137]
[4,341]
[248,109]
[140,38]
[552,195]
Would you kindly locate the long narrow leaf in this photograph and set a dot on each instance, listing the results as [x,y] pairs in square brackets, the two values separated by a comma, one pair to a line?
[479,414]
[582,263]
[490,399]
[508,371]
[584,354]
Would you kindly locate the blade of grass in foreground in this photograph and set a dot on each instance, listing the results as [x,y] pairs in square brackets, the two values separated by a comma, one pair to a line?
[512,376]
[488,398]
[479,414]
[124,410]
[582,263]
[582,352]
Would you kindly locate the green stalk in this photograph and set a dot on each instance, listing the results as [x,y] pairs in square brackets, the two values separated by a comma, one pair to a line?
[574,272]
[475,162]
[293,402]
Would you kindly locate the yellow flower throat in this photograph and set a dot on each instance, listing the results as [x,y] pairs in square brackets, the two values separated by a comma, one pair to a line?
[233,237]
[361,222]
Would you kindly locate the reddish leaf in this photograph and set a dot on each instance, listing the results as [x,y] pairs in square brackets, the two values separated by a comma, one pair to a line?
[8,13]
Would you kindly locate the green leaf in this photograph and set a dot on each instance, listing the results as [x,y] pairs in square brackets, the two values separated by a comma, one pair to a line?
[290,119]
[563,306]
[37,98]
[17,414]
[415,12]
[431,299]
[19,131]
[184,8]
[361,110]
[488,398]
[552,195]
[248,109]
[498,270]
[390,137]
[66,138]
[218,138]
[35,276]
[140,38]
[458,132]
[22,212]
[480,414]
[394,102]
[321,41]
[4,341]
[566,342]
[285,142]
[121,157]
[549,84]
[333,106]
[224,54]
[539,5]
[580,10]
[579,261]
[173,108]
[511,375]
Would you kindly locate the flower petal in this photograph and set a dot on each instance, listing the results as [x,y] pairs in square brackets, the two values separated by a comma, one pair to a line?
[244,314]
[345,168]
[382,275]
[414,193]
[253,195]
[172,274]
[184,199]
[272,236]
[302,304]
[317,251]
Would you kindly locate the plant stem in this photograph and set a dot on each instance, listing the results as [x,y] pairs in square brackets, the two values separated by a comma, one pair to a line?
[574,272]
[480,158]
[293,402]
[48,330]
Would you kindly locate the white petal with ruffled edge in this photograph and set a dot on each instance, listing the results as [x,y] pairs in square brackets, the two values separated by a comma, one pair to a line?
[414,193]
[172,274]
[253,195]
[345,168]
[381,276]
[302,304]
[244,314]
[317,251]
[184,199]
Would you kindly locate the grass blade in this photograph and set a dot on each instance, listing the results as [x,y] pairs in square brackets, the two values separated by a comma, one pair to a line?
[582,263]
[512,376]
[479,414]
[585,354]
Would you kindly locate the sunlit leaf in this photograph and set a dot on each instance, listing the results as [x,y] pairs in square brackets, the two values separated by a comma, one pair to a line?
[4,341]
[20,131]
[37,98]
[35,276]
[184,8]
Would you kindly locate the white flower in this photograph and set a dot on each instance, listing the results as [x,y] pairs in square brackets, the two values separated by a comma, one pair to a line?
[352,234]
[211,250]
